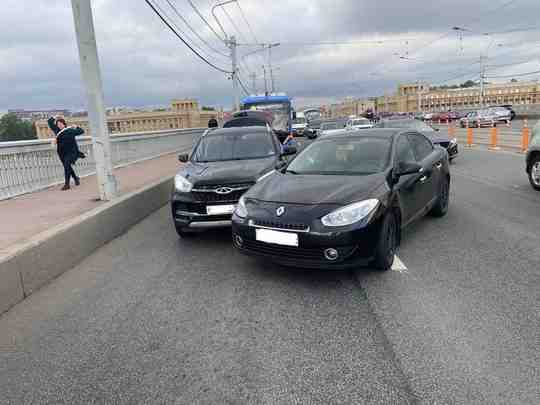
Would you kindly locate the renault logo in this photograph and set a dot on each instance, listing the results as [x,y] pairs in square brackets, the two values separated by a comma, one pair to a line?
[224,190]
[280,211]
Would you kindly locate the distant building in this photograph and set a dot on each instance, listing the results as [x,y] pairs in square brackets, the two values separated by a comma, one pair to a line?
[34,115]
[349,106]
[182,114]
[409,97]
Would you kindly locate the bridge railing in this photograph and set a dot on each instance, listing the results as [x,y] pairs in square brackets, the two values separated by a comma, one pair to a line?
[27,166]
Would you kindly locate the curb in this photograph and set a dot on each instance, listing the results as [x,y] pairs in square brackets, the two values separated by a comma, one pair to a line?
[27,267]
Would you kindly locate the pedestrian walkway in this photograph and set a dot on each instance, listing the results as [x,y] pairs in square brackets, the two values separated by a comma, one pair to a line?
[29,214]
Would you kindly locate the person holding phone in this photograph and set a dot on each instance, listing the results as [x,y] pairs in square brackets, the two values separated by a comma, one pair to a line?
[67,148]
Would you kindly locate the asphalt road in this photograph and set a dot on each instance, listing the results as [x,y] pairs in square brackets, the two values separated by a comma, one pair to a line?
[150,318]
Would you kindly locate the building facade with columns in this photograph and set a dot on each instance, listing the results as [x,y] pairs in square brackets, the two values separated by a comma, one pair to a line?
[183,113]
[349,106]
[422,97]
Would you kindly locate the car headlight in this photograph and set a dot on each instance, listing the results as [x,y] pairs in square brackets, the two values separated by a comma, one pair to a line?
[453,141]
[241,210]
[182,184]
[351,213]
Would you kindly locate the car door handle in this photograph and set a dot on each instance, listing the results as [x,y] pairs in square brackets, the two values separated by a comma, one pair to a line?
[423,179]
[438,165]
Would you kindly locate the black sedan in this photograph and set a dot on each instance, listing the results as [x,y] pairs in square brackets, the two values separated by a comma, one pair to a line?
[343,201]
[438,138]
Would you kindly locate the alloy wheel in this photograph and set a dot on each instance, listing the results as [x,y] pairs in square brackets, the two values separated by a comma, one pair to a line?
[535,173]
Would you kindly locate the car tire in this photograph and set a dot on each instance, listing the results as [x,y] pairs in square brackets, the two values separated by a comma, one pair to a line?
[181,231]
[535,163]
[387,243]
[441,206]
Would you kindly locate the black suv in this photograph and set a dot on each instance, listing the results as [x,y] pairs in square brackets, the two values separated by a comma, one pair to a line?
[224,164]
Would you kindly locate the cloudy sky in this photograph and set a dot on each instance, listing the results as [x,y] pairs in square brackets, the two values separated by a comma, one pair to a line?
[329,49]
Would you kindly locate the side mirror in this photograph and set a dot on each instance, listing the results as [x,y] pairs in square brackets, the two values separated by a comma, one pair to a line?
[288,150]
[436,129]
[280,165]
[183,157]
[408,168]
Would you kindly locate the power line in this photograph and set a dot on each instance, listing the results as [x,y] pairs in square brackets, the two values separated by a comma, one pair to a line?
[246,92]
[194,7]
[194,32]
[246,21]
[184,41]
[515,75]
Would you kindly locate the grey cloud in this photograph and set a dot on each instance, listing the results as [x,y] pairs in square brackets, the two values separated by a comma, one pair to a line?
[144,64]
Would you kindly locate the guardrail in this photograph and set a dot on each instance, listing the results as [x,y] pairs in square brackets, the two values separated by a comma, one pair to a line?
[27,166]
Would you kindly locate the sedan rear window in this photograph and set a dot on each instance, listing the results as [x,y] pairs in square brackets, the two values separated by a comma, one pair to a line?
[366,155]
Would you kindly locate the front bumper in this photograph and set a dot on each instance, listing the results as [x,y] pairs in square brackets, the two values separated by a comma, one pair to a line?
[355,247]
[187,213]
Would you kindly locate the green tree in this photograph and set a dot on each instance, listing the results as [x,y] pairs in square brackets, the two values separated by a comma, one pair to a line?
[206,108]
[15,129]
[468,83]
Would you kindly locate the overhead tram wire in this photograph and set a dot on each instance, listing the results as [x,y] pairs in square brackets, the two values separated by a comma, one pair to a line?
[184,41]
[515,75]
[181,31]
[246,92]
[205,20]
[249,27]
[204,41]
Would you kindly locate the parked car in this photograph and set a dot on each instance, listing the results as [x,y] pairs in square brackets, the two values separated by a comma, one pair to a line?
[502,114]
[330,127]
[509,108]
[480,118]
[343,201]
[299,125]
[438,138]
[359,123]
[532,158]
[224,164]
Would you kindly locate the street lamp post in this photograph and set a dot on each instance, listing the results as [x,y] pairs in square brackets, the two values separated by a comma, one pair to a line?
[231,43]
[101,143]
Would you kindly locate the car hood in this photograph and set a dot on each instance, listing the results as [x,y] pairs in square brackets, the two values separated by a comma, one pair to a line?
[316,189]
[437,137]
[227,172]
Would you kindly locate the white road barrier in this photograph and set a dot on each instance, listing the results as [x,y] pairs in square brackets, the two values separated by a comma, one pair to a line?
[27,166]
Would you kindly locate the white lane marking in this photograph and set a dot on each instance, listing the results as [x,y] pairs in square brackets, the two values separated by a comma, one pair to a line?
[398,265]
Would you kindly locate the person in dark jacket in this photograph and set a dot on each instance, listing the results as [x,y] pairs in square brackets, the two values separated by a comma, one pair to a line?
[212,123]
[67,148]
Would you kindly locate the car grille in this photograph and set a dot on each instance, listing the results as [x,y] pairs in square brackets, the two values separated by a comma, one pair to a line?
[277,225]
[296,253]
[207,193]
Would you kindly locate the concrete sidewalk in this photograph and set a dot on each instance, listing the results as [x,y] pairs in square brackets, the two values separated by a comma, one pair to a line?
[29,214]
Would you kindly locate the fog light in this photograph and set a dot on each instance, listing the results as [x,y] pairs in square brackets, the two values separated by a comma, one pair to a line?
[238,240]
[331,254]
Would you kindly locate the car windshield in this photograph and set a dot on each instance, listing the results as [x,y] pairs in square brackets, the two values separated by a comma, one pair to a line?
[413,124]
[300,120]
[329,126]
[220,147]
[344,156]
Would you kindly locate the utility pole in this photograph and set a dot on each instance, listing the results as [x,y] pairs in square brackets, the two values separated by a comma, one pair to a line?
[86,41]
[265,82]
[482,74]
[232,45]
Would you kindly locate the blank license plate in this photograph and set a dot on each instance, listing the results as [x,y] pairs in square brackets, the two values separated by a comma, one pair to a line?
[219,209]
[276,237]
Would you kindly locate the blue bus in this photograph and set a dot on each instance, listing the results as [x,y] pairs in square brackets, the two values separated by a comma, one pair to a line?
[279,106]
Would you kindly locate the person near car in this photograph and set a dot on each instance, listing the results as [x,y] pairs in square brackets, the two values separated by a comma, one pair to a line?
[67,148]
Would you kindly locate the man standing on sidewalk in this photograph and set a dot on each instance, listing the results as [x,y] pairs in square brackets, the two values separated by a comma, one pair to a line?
[67,148]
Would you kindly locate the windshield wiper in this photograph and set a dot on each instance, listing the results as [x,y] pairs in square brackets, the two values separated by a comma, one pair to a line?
[291,171]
